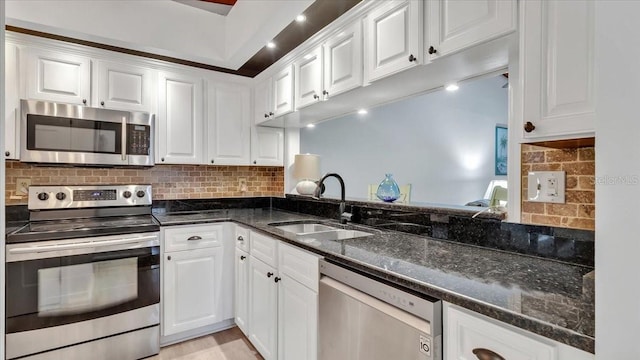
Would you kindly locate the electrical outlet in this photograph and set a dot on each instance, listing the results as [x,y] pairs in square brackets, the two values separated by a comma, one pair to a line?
[22,186]
[546,186]
[242,184]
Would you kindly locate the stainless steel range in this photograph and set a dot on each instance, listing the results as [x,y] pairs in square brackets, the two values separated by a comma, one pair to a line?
[83,277]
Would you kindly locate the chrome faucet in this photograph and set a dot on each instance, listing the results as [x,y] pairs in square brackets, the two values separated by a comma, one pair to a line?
[344,216]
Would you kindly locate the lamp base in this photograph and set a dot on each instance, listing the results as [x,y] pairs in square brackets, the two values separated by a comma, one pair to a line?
[306,187]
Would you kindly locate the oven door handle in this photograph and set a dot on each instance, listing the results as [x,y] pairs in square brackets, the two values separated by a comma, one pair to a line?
[83,245]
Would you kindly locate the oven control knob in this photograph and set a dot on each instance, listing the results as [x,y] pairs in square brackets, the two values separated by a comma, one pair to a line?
[43,196]
[126,194]
[140,193]
[61,196]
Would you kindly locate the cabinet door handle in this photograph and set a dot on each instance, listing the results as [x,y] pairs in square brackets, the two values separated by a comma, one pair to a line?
[101,103]
[266,116]
[213,161]
[486,354]
[84,101]
[412,58]
[169,257]
[240,238]
[255,162]
[315,96]
[432,50]
[270,113]
[269,274]
[195,237]
[277,279]
[529,127]
[7,153]
[162,159]
[242,257]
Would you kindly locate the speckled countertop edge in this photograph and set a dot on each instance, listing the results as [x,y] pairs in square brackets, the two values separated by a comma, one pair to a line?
[551,331]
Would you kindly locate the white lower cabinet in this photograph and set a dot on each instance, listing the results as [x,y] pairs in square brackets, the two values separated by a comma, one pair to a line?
[297,321]
[282,300]
[263,308]
[197,280]
[470,336]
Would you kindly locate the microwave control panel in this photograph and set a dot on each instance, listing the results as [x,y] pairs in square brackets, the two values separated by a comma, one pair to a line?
[138,139]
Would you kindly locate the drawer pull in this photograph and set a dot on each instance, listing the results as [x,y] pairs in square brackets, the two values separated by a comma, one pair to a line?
[195,237]
[242,257]
[240,238]
[269,274]
[486,354]
[277,279]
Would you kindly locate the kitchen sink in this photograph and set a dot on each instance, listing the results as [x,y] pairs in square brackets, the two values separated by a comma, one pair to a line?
[313,231]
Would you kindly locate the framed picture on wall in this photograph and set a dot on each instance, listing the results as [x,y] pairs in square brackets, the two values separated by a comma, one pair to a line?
[502,142]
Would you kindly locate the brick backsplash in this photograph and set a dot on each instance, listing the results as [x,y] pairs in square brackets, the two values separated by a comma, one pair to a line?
[169,181]
[578,211]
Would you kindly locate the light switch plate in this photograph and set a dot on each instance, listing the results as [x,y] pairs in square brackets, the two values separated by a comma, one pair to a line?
[546,186]
[22,186]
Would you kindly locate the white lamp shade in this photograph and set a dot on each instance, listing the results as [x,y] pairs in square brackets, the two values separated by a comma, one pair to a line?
[306,167]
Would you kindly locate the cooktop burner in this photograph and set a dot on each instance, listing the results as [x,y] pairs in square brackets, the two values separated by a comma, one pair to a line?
[65,212]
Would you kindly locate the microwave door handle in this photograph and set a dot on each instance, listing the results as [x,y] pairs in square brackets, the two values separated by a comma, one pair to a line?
[82,245]
[124,138]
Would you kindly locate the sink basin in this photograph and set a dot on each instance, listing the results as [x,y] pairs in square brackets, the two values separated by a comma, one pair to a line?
[304,228]
[337,234]
[309,232]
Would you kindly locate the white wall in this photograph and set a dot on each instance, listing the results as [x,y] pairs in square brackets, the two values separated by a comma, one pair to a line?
[617,155]
[441,142]
[2,177]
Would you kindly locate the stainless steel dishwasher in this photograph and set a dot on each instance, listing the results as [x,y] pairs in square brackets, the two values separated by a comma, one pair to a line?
[362,318]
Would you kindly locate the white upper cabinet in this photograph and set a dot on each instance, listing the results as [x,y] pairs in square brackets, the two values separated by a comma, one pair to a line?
[454,25]
[343,60]
[12,102]
[283,91]
[267,146]
[229,124]
[123,87]
[56,76]
[557,63]
[308,77]
[180,119]
[262,104]
[393,35]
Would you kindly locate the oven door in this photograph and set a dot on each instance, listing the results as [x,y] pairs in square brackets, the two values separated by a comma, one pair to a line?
[63,133]
[54,283]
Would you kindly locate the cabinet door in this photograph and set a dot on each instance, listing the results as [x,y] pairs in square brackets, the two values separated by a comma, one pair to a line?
[12,102]
[297,321]
[59,77]
[457,24]
[263,308]
[267,146]
[180,120]
[242,290]
[392,41]
[308,75]
[283,91]
[262,104]
[229,125]
[557,61]
[123,87]
[343,60]
[191,289]
[466,333]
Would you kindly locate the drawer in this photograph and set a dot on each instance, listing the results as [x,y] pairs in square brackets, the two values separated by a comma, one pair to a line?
[178,238]
[467,333]
[264,248]
[242,238]
[300,265]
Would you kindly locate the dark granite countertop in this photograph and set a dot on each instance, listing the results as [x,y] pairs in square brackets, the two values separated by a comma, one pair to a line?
[547,297]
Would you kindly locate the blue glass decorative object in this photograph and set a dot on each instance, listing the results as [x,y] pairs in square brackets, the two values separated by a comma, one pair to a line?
[388,190]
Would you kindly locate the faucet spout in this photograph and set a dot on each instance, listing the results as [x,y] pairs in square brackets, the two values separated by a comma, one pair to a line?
[344,216]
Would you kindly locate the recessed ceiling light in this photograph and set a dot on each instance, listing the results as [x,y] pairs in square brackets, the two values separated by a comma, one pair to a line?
[271,45]
[301,18]
[362,112]
[311,126]
[452,87]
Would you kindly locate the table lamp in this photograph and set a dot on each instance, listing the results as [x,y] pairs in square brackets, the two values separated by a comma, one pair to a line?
[306,168]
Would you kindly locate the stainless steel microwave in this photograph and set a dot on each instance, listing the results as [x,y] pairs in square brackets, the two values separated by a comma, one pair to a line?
[74,134]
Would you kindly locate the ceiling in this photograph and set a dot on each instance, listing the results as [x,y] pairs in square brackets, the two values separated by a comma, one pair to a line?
[220,35]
